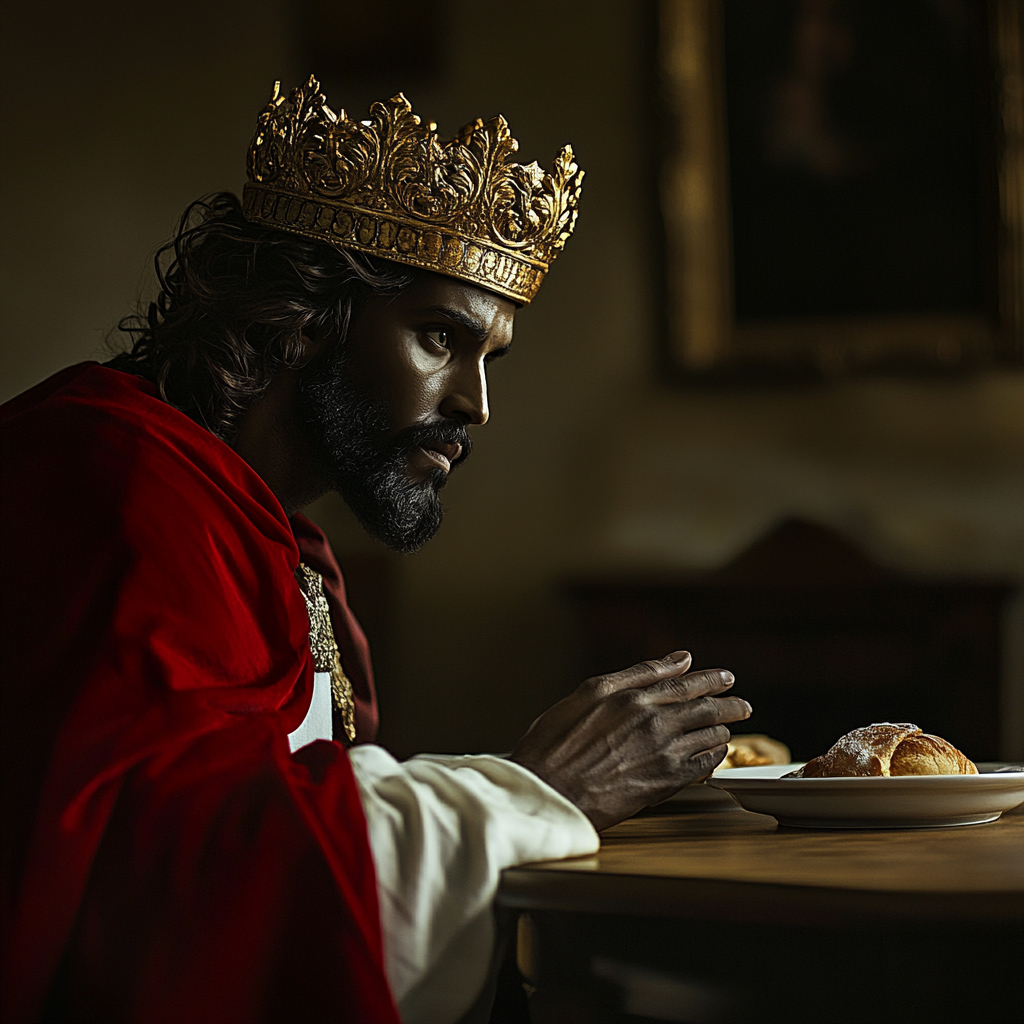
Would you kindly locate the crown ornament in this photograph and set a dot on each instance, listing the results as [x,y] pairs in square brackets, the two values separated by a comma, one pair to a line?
[388,186]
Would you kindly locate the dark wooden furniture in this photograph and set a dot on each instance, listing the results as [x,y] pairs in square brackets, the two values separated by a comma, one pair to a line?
[728,917]
[821,640]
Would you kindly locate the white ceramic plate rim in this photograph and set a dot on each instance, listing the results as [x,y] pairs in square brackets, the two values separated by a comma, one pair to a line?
[901,801]
[728,778]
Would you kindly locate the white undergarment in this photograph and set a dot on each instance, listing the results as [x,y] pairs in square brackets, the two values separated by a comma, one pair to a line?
[442,828]
[317,723]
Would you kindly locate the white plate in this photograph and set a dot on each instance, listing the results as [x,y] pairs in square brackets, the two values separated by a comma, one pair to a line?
[904,801]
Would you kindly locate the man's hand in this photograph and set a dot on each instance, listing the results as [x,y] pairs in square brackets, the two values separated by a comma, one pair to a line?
[632,738]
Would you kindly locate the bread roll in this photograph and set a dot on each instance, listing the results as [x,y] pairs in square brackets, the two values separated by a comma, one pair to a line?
[929,755]
[755,750]
[887,748]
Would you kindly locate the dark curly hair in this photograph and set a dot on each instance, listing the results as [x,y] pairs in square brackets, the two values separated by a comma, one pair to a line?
[234,299]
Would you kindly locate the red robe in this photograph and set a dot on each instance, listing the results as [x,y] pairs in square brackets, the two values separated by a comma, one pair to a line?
[163,856]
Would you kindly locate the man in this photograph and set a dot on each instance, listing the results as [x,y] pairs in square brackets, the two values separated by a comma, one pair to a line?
[183,838]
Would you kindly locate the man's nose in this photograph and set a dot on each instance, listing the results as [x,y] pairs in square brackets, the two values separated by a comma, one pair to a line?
[466,399]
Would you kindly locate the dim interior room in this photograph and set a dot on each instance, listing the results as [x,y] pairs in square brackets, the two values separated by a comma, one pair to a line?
[597,463]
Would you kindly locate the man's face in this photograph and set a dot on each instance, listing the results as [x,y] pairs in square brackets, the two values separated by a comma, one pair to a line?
[388,415]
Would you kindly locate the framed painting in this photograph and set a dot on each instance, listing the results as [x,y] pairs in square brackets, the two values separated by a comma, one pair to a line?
[841,186]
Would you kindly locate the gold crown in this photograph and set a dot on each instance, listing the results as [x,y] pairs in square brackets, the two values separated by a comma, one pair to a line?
[390,187]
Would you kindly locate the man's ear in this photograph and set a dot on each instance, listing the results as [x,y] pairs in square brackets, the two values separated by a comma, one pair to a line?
[315,342]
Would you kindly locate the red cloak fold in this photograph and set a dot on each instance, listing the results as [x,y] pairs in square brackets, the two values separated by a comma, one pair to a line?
[164,857]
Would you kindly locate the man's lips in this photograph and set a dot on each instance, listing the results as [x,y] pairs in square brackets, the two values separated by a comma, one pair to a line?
[443,454]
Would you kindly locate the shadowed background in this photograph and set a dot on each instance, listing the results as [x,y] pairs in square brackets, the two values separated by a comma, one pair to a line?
[119,114]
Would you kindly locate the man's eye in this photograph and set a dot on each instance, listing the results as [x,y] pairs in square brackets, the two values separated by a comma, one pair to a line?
[439,338]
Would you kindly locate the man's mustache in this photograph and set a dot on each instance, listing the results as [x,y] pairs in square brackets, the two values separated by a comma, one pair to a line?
[445,432]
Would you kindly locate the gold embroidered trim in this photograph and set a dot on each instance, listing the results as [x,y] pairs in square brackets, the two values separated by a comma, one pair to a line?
[324,646]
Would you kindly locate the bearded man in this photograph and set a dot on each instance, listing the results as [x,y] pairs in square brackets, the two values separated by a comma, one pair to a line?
[197,824]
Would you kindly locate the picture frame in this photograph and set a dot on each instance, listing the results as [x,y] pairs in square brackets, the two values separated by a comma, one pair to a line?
[918,263]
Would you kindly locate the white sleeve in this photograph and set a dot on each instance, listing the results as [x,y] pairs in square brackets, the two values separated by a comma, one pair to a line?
[441,829]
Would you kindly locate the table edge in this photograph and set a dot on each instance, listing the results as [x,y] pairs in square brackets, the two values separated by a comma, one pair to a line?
[530,888]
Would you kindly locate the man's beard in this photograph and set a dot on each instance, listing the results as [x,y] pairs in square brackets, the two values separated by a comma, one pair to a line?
[369,466]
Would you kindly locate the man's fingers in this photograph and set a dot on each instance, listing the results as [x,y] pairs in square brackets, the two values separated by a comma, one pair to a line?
[691,685]
[706,761]
[644,674]
[708,711]
[700,741]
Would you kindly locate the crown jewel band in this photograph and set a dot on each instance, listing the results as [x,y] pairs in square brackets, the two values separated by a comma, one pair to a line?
[390,187]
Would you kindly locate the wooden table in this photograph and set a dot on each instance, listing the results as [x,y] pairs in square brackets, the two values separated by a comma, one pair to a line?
[728,917]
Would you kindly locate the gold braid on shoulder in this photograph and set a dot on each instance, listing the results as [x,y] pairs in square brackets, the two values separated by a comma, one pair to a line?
[326,657]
